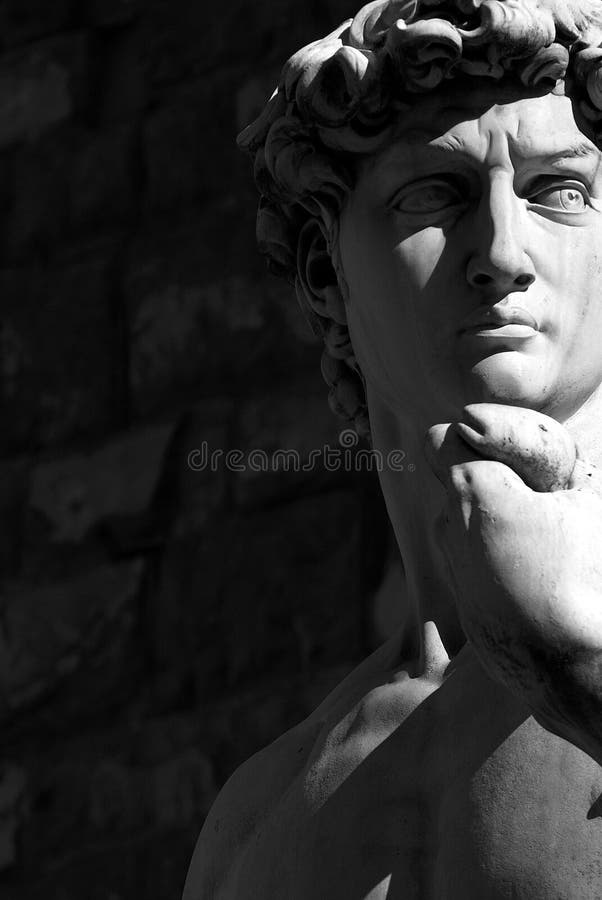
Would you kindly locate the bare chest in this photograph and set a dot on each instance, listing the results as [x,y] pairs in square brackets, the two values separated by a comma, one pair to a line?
[467,797]
[525,823]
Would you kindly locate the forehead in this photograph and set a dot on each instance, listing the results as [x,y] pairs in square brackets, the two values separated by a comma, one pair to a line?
[472,121]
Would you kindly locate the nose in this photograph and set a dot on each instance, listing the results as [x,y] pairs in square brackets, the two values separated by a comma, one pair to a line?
[499,263]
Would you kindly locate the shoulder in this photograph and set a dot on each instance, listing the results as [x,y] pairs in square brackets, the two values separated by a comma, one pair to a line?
[252,794]
[242,806]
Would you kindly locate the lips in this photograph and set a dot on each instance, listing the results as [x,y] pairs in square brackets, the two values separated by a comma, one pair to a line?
[510,321]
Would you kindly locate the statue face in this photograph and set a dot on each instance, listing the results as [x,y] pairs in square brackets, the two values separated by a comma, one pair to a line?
[472,249]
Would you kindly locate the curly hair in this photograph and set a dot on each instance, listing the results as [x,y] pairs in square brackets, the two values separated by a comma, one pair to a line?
[341,98]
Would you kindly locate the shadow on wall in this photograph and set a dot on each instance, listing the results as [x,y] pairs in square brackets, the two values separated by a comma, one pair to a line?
[159,621]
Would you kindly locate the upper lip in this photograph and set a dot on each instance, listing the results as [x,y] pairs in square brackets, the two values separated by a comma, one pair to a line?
[496,317]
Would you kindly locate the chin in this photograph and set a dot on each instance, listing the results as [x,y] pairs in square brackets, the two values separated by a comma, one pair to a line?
[510,378]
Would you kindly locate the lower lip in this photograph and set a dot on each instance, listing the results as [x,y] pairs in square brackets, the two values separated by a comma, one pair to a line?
[513,332]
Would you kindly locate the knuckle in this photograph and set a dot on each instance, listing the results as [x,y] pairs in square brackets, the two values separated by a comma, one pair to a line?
[479,477]
[488,488]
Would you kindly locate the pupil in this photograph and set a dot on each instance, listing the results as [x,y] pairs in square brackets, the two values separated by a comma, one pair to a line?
[571,197]
[436,196]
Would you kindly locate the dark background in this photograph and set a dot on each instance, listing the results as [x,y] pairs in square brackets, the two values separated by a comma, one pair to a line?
[157,625]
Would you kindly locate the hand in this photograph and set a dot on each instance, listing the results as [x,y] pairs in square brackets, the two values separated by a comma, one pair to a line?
[522,533]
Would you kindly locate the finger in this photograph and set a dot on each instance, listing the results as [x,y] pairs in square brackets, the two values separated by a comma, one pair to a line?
[471,480]
[536,447]
[458,466]
[445,448]
[489,489]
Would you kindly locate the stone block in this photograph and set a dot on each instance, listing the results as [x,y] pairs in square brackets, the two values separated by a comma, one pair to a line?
[76,494]
[165,793]
[93,787]
[289,441]
[176,318]
[13,493]
[162,308]
[71,640]
[99,818]
[193,493]
[172,156]
[59,779]
[113,800]
[13,811]
[184,608]
[292,592]
[168,344]
[189,144]
[161,738]
[179,791]
[38,218]
[102,179]
[122,93]
[8,161]
[60,374]
[112,13]
[26,20]
[41,86]
[184,40]
[195,320]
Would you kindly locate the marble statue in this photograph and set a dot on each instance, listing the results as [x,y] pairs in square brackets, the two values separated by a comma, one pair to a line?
[431,183]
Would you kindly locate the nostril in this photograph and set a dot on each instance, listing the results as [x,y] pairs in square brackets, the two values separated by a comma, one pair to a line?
[482,278]
[523,280]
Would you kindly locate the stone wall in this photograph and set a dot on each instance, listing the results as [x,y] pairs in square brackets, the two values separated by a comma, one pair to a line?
[159,622]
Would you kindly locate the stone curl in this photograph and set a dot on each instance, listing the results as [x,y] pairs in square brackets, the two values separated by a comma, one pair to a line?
[341,97]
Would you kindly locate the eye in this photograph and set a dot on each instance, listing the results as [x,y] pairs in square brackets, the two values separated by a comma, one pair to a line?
[429,195]
[565,196]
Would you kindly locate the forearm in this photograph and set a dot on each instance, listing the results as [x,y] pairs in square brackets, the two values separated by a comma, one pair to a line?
[561,684]
[571,701]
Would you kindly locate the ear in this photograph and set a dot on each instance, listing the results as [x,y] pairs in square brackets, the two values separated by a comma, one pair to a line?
[317,275]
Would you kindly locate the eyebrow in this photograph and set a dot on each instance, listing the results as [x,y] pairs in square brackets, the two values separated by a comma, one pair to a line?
[405,151]
[451,145]
[581,150]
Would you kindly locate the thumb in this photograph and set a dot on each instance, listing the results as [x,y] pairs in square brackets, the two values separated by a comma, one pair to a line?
[538,448]
[471,479]
[444,448]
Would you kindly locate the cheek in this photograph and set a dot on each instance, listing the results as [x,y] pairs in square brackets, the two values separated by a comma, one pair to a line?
[436,287]
[422,258]
[573,276]
[376,276]
[398,288]
[586,270]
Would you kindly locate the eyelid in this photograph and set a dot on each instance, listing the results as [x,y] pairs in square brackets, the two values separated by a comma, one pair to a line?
[552,182]
[448,178]
[545,182]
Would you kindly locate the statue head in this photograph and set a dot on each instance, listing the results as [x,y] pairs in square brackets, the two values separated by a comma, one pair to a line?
[412,80]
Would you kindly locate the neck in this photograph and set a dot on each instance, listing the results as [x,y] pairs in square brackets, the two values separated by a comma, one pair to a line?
[414,499]
[585,426]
